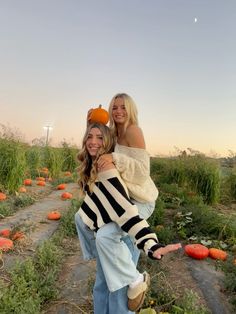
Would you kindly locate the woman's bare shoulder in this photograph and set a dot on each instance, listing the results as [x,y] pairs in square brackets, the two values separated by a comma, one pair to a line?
[134,136]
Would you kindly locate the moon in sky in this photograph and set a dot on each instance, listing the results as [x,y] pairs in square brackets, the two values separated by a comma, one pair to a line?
[195,20]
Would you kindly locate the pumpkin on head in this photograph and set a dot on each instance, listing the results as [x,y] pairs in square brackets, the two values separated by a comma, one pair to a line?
[99,115]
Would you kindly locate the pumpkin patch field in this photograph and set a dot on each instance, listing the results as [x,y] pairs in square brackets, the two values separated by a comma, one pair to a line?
[41,265]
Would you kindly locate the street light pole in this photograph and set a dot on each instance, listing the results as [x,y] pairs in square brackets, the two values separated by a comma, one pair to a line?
[48,128]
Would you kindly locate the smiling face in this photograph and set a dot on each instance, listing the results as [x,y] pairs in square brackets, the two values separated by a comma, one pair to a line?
[119,113]
[94,142]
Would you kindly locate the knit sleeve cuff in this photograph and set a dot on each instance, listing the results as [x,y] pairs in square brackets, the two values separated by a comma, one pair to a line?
[154,248]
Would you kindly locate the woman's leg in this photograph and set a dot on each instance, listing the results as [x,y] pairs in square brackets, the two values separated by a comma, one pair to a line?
[118,253]
[89,251]
[87,239]
[100,292]
[106,302]
[116,257]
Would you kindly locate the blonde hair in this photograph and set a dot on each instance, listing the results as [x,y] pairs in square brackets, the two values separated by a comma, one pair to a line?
[131,109]
[87,170]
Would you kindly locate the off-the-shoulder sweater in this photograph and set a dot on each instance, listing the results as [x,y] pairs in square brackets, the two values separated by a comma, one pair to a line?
[133,165]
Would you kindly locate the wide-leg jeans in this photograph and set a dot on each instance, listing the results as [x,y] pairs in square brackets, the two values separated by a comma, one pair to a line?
[117,257]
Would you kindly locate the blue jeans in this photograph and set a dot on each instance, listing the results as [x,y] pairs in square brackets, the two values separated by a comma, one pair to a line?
[117,257]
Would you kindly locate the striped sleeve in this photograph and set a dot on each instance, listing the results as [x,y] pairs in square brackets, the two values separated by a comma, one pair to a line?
[109,202]
[130,221]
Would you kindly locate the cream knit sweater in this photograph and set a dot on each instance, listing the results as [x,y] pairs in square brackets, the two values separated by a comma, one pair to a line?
[133,165]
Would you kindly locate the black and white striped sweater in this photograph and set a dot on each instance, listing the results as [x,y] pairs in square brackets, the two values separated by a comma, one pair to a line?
[109,202]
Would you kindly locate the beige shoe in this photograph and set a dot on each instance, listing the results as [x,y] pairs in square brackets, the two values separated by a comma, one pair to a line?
[137,294]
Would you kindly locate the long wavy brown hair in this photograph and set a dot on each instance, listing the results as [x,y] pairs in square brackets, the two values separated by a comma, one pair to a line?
[87,170]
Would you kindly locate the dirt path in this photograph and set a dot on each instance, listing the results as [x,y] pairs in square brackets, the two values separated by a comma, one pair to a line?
[34,219]
[76,279]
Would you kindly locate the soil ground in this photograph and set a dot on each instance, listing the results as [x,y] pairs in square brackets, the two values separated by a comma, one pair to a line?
[77,277]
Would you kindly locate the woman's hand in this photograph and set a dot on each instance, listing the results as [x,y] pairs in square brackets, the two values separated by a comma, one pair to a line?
[167,249]
[104,160]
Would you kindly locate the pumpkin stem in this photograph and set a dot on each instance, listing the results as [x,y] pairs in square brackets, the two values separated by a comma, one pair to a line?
[100,106]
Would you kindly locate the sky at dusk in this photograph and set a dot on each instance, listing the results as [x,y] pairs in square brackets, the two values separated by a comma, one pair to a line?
[175,58]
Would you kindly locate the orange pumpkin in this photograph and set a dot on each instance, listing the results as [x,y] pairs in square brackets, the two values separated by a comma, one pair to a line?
[67,173]
[197,251]
[61,186]
[40,179]
[17,235]
[6,244]
[27,182]
[44,169]
[5,233]
[54,215]
[2,196]
[22,189]
[66,195]
[41,183]
[99,115]
[217,254]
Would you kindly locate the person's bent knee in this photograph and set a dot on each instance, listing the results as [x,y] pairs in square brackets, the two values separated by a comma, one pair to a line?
[109,233]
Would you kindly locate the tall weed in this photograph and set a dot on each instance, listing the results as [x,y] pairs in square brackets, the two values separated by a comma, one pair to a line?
[69,157]
[196,173]
[34,160]
[12,164]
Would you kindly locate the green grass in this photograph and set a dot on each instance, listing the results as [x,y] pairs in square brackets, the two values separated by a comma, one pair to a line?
[32,282]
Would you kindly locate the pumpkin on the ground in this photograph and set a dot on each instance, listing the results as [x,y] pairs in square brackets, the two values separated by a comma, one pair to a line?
[44,170]
[67,173]
[40,179]
[27,182]
[17,235]
[66,195]
[5,233]
[3,196]
[99,115]
[5,244]
[197,251]
[61,186]
[41,183]
[217,254]
[22,189]
[54,215]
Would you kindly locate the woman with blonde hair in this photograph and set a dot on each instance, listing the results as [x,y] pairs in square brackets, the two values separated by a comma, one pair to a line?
[107,203]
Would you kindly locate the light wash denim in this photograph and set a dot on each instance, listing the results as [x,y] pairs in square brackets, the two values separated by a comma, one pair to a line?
[116,256]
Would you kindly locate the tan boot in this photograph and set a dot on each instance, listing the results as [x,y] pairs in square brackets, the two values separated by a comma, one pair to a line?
[137,294]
